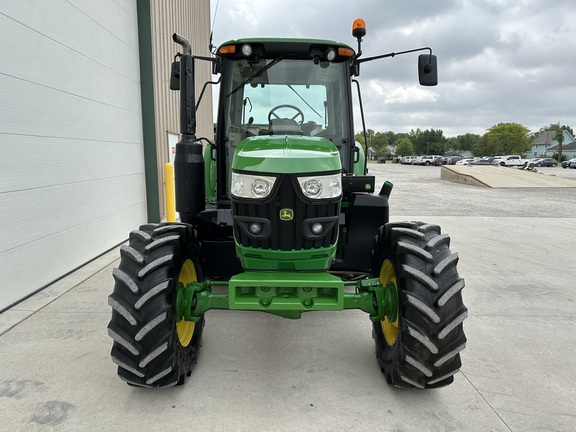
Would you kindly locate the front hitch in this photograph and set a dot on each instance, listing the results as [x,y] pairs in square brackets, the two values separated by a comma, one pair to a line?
[287,295]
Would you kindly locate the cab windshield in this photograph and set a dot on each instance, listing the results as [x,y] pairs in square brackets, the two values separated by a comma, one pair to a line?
[285,97]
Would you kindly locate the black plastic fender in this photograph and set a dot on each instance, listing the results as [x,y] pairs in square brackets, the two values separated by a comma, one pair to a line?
[366,214]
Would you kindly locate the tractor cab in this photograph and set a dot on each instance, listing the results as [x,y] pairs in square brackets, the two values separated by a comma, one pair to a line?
[295,88]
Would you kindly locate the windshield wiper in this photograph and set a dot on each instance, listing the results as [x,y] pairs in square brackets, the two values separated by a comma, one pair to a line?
[303,100]
[257,74]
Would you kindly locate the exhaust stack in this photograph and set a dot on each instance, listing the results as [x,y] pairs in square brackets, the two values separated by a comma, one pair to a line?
[188,162]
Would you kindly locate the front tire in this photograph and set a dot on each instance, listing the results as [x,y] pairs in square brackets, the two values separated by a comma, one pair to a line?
[421,347]
[150,348]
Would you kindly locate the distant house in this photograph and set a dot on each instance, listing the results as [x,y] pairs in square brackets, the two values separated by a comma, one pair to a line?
[390,149]
[546,145]
[568,150]
[371,154]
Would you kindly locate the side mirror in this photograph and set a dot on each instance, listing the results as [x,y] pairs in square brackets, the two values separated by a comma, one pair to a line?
[175,76]
[427,70]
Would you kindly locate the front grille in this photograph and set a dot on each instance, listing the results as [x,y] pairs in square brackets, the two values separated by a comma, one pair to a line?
[286,235]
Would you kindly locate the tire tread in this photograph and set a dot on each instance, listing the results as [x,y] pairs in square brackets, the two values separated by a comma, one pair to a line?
[145,347]
[430,338]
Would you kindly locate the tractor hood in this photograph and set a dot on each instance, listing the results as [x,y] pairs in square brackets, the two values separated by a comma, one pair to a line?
[286,154]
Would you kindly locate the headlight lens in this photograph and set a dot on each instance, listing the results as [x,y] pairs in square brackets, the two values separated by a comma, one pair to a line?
[247,50]
[260,188]
[321,187]
[312,187]
[251,186]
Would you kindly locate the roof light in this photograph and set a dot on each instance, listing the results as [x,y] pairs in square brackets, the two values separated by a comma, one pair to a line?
[227,49]
[359,28]
[330,54]
[247,50]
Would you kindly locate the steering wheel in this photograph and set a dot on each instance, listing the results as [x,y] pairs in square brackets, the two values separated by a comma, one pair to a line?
[299,114]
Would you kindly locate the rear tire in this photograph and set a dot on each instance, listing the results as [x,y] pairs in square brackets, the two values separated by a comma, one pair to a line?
[150,348]
[421,348]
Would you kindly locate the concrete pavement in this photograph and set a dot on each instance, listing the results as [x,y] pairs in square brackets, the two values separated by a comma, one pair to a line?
[259,372]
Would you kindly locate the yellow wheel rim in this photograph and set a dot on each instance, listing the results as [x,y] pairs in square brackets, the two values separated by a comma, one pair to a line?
[185,329]
[389,328]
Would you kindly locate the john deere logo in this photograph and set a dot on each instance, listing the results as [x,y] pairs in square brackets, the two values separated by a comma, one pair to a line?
[286,214]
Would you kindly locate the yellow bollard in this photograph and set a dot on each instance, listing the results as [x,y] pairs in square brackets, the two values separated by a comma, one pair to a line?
[169,192]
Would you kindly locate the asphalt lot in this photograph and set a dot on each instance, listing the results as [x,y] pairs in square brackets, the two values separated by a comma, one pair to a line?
[259,372]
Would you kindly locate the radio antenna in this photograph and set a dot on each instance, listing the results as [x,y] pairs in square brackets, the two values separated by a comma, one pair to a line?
[211,46]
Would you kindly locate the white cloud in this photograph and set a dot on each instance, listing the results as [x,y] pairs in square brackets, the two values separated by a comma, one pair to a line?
[393,94]
[498,60]
[241,12]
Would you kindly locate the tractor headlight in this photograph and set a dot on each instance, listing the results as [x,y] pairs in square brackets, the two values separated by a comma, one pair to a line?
[251,186]
[321,187]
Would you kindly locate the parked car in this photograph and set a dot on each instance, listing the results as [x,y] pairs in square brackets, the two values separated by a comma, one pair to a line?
[426,160]
[544,162]
[482,161]
[437,160]
[510,160]
[453,159]
[406,160]
[566,163]
[440,160]
[464,161]
[414,160]
[572,164]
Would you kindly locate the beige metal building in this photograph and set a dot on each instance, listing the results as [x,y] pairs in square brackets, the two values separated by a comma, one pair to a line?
[85,118]
[192,20]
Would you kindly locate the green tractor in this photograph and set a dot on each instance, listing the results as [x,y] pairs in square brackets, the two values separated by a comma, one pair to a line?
[278,215]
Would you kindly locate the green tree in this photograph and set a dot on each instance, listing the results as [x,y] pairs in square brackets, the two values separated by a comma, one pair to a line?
[452,143]
[508,138]
[404,147]
[400,136]
[559,137]
[380,144]
[429,141]
[485,147]
[467,141]
[392,136]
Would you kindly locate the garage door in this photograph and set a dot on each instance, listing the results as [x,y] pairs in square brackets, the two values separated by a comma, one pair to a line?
[71,153]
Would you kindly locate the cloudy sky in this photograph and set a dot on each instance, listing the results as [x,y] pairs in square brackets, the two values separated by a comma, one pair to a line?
[498,60]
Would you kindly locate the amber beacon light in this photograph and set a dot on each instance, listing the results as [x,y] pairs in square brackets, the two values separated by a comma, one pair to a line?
[359,28]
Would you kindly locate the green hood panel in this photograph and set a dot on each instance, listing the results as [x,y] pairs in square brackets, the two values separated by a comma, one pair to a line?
[286,154]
